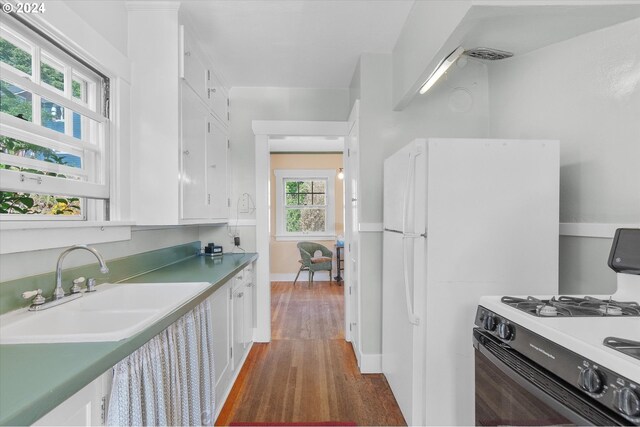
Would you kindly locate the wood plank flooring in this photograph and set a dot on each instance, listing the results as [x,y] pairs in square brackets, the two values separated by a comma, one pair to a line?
[308,373]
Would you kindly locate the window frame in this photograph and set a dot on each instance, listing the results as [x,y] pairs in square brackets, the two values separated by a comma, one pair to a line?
[283,175]
[94,142]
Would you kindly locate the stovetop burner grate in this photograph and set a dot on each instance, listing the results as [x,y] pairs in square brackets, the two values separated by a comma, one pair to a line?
[567,306]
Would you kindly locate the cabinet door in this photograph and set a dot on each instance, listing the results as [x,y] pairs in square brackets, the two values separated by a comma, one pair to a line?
[85,408]
[248,313]
[218,99]
[220,303]
[217,148]
[194,72]
[238,326]
[195,123]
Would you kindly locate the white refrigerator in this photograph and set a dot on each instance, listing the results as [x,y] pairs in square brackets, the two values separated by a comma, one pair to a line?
[462,218]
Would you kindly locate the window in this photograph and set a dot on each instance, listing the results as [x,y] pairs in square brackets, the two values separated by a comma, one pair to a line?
[53,130]
[305,204]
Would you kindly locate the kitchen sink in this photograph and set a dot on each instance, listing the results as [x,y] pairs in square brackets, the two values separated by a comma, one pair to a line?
[112,313]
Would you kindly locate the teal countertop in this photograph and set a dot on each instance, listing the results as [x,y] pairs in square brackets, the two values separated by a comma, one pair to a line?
[35,378]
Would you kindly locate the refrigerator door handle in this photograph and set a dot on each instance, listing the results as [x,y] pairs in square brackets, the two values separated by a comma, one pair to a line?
[413,319]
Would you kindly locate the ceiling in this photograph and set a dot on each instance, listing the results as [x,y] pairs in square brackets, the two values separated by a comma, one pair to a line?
[294,43]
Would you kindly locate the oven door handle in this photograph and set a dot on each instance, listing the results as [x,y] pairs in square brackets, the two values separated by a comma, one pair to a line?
[499,351]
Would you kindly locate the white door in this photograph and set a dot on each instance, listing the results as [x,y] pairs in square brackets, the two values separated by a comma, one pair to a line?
[352,237]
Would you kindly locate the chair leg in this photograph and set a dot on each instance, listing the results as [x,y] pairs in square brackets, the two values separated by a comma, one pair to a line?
[330,276]
[296,279]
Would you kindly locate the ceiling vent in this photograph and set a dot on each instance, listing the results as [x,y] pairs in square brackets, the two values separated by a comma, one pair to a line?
[487,53]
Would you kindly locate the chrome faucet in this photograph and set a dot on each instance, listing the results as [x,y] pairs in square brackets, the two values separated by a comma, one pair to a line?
[59,292]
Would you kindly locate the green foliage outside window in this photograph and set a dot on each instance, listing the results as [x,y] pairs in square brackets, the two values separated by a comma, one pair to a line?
[11,102]
[305,206]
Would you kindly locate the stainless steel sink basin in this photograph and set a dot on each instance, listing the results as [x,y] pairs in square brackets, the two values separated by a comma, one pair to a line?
[112,313]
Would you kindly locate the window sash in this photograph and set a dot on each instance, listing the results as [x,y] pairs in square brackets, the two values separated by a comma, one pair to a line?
[296,175]
[53,95]
[91,180]
[27,182]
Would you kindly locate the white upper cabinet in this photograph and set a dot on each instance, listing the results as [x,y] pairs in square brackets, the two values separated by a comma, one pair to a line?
[193,179]
[202,78]
[218,99]
[192,68]
[179,142]
[217,170]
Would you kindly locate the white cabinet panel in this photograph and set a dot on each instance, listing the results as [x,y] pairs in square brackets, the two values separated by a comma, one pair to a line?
[221,317]
[85,408]
[238,326]
[218,98]
[217,184]
[247,323]
[194,71]
[195,123]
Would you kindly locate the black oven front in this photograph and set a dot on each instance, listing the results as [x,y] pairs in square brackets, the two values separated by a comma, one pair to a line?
[511,389]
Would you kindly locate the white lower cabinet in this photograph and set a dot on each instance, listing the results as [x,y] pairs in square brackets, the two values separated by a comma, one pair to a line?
[233,310]
[85,408]
[221,315]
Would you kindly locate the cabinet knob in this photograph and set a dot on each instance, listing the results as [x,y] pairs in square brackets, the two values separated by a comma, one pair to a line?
[185,152]
[214,90]
[187,53]
[213,166]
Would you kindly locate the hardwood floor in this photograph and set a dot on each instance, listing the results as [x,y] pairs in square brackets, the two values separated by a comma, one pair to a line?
[308,373]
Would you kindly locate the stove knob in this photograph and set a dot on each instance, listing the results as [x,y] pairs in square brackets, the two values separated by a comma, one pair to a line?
[505,331]
[489,323]
[628,402]
[591,380]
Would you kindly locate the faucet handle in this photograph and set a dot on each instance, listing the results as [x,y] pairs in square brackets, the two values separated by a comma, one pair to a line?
[38,300]
[77,285]
[91,285]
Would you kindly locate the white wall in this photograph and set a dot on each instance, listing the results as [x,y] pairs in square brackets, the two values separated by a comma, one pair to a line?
[107,17]
[246,105]
[585,92]
[382,132]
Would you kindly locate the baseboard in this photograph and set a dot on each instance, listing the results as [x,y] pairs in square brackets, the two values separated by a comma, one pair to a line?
[370,363]
[290,277]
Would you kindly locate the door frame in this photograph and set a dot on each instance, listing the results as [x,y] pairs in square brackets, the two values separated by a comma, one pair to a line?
[263,130]
[351,227]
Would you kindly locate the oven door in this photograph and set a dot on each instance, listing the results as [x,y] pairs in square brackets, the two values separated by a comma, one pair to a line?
[512,390]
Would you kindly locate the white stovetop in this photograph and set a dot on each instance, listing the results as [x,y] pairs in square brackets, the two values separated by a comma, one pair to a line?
[584,335]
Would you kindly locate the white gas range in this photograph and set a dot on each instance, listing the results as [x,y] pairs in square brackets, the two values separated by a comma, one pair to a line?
[549,360]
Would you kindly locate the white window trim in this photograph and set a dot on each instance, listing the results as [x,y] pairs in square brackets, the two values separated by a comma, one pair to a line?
[97,184]
[329,175]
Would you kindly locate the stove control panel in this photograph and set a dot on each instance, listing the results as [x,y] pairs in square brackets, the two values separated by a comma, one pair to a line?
[496,325]
[591,380]
[599,383]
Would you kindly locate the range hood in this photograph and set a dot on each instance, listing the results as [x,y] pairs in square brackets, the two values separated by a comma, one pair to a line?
[520,27]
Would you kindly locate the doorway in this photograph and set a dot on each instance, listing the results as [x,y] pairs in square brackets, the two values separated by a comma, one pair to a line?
[272,133]
[306,205]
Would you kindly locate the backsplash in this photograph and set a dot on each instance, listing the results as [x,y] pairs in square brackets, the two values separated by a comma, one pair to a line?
[119,269]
